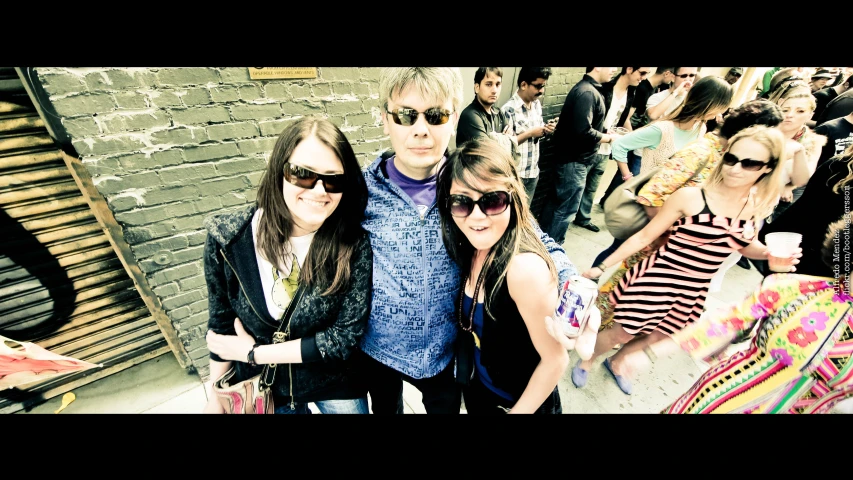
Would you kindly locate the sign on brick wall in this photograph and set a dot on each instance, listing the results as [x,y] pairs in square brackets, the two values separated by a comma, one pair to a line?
[265,73]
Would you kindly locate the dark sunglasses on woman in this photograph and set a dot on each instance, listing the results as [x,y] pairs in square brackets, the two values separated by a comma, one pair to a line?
[747,163]
[304,178]
[408,116]
[492,203]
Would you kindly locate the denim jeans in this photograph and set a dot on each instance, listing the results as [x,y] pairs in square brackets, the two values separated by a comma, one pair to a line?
[530,188]
[634,162]
[607,252]
[574,186]
[348,406]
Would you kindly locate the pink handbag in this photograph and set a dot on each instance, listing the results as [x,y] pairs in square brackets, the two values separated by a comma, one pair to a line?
[248,396]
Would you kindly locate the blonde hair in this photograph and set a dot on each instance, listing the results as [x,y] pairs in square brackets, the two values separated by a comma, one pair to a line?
[770,184]
[793,89]
[435,84]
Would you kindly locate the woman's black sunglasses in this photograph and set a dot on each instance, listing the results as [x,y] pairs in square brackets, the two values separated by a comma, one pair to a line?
[746,163]
[304,178]
[492,203]
[408,116]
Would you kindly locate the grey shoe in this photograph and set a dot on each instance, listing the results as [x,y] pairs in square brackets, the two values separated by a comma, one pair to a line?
[579,375]
[624,383]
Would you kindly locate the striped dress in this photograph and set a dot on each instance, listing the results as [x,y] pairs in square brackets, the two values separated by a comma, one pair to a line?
[666,291]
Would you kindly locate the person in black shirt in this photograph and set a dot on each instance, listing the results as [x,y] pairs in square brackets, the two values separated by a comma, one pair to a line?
[660,80]
[822,204]
[839,135]
[824,96]
[483,115]
[840,106]
[576,140]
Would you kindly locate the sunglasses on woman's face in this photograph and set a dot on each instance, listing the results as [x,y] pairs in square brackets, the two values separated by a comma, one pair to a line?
[304,178]
[492,203]
[408,116]
[747,163]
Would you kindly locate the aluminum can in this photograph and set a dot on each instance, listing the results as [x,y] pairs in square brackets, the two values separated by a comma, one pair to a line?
[576,297]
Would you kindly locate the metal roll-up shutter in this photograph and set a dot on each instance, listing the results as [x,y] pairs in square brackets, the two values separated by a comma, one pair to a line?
[62,286]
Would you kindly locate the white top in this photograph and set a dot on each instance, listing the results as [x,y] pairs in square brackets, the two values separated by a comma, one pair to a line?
[659,97]
[617,106]
[299,246]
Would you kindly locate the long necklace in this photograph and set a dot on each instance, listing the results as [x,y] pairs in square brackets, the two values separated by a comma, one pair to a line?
[470,326]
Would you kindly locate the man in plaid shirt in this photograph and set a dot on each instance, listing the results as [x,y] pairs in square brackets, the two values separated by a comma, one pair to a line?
[525,114]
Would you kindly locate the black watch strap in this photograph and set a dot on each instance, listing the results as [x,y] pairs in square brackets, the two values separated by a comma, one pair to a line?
[601,266]
[250,359]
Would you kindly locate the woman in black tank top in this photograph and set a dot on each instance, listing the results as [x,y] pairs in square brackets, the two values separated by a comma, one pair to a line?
[507,361]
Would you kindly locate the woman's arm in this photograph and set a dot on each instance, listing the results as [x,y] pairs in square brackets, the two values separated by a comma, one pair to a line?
[336,342]
[801,169]
[648,136]
[565,267]
[534,291]
[672,210]
[220,316]
[755,250]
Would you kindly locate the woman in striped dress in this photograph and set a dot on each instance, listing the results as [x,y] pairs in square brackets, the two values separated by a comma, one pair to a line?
[799,358]
[666,291]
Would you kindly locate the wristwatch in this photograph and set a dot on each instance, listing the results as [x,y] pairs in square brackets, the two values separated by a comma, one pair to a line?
[601,266]
[250,358]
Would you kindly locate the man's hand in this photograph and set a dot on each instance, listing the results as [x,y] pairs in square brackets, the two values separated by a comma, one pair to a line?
[681,89]
[231,347]
[584,345]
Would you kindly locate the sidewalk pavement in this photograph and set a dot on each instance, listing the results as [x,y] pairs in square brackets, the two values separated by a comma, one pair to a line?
[161,386]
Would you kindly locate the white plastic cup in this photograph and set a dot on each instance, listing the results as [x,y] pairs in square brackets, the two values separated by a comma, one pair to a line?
[781,247]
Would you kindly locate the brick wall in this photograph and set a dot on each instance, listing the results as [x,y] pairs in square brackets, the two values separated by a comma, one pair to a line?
[168,146]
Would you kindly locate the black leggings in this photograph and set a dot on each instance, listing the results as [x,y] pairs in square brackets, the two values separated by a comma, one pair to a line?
[441,393]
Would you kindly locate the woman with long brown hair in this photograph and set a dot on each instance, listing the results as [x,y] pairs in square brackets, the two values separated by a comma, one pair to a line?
[298,262]
[507,360]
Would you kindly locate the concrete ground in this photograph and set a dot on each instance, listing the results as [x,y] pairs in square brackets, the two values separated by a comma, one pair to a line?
[161,386]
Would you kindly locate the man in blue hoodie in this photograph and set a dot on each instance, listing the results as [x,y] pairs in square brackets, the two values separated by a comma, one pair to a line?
[412,326]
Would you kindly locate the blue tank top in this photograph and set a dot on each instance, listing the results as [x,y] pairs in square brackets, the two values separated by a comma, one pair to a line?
[479,369]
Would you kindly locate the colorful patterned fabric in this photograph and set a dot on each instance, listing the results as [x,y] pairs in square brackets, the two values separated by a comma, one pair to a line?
[797,362]
[678,169]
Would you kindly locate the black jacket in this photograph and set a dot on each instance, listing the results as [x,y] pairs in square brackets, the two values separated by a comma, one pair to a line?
[577,134]
[330,327]
[475,122]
